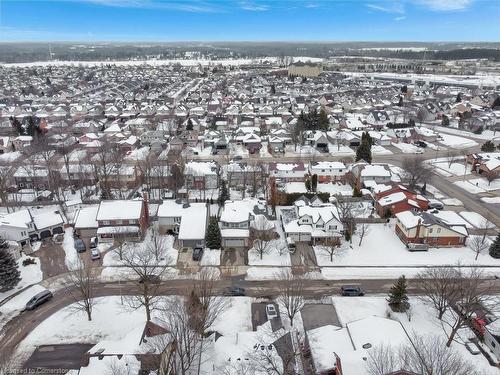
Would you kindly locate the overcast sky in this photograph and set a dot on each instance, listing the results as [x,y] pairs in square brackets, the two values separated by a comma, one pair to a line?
[274,20]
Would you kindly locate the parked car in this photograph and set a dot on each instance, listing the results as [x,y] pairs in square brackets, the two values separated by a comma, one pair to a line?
[153,279]
[234,291]
[237,157]
[39,299]
[95,254]
[94,242]
[80,245]
[417,247]
[197,253]
[271,312]
[472,348]
[419,150]
[436,204]
[421,144]
[351,290]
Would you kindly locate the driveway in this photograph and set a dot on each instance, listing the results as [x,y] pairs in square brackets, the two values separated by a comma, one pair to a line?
[303,259]
[234,257]
[57,357]
[52,258]
[318,315]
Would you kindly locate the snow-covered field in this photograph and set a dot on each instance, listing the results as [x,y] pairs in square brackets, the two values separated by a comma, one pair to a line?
[455,169]
[276,255]
[476,219]
[379,150]
[406,148]
[17,303]
[211,257]
[491,200]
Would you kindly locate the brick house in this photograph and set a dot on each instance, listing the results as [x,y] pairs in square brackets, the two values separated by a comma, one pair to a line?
[399,199]
[124,217]
[328,171]
[423,227]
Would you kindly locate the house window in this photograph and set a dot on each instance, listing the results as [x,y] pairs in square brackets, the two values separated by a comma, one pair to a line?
[105,222]
[177,219]
[333,227]
[118,222]
[493,344]
[439,230]
[431,230]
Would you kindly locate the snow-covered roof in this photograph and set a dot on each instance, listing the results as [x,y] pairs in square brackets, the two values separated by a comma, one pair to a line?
[86,217]
[392,198]
[120,210]
[47,219]
[237,211]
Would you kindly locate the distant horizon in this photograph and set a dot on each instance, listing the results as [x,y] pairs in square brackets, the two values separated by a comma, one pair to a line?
[205,21]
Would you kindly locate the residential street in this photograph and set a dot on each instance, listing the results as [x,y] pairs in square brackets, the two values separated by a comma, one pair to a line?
[18,328]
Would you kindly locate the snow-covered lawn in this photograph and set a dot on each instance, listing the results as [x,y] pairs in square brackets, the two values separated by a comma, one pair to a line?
[423,322]
[379,150]
[437,194]
[476,219]
[381,247]
[276,255]
[492,200]
[211,257]
[455,169]
[31,274]
[406,148]
[478,185]
[110,321]
[335,188]
[295,187]
[9,157]
[68,245]
[457,142]
[236,318]
[452,202]
[167,257]
[341,151]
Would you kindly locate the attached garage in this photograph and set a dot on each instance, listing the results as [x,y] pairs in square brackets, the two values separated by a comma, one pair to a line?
[233,242]
[300,237]
[57,230]
[45,234]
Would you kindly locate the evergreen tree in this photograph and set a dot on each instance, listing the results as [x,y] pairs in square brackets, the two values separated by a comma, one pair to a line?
[364,151]
[495,247]
[398,296]
[323,122]
[400,103]
[488,146]
[314,182]
[356,192]
[459,98]
[9,273]
[189,125]
[307,182]
[223,193]
[213,237]
[445,121]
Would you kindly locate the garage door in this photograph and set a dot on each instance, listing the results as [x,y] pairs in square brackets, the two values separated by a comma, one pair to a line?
[233,242]
[57,230]
[45,234]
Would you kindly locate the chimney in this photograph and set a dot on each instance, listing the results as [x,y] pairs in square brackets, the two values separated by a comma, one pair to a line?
[418,230]
[146,207]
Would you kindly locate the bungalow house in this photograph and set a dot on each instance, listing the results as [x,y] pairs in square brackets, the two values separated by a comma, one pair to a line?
[399,199]
[314,221]
[378,119]
[188,221]
[86,221]
[252,142]
[127,218]
[21,142]
[423,227]
[363,174]
[328,171]
[245,174]
[317,139]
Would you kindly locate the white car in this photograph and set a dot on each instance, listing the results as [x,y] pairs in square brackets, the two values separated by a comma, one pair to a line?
[271,311]
[419,150]
[95,254]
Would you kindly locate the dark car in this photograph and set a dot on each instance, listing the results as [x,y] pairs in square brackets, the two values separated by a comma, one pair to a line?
[152,279]
[421,144]
[234,291]
[436,205]
[197,253]
[38,299]
[80,245]
[351,290]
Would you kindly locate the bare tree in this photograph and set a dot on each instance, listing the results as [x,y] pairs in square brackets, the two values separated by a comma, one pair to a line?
[452,156]
[5,176]
[120,239]
[422,355]
[478,244]
[345,209]
[148,273]
[415,171]
[491,176]
[329,247]
[291,293]
[438,287]
[123,365]
[262,235]
[472,291]
[362,229]
[156,243]
[81,285]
